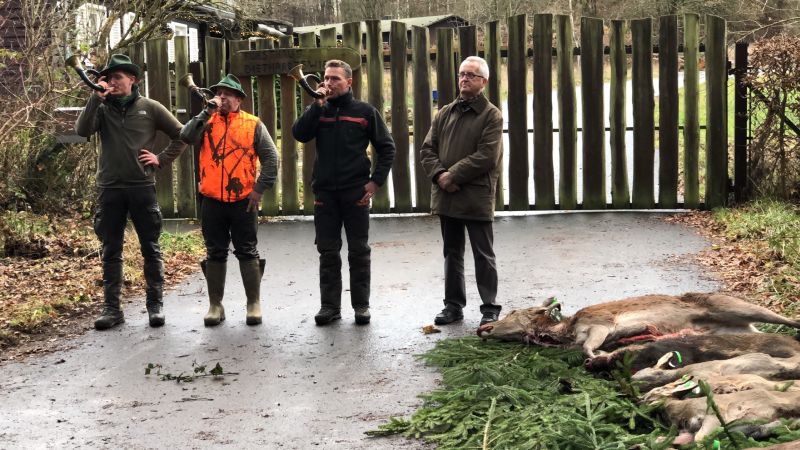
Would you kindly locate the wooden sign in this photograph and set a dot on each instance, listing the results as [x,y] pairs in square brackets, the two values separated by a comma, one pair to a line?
[280,60]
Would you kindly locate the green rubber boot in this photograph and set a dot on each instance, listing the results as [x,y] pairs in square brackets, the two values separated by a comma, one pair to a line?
[215,277]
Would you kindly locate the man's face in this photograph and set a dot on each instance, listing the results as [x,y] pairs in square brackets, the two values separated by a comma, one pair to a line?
[120,84]
[229,100]
[335,82]
[470,83]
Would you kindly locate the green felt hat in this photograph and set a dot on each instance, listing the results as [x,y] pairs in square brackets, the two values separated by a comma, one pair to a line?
[230,82]
[123,63]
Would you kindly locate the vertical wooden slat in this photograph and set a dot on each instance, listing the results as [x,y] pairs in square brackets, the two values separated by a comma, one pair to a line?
[215,60]
[182,95]
[467,42]
[491,49]
[136,53]
[421,77]
[543,174]
[668,112]
[198,72]
[445,71]
[351,37]
[567,122]
[691,116]
[158,76]
[247,85]
[643,121]
[289,201]
[400,172]
[517,114]
[620,192]
[327,37]
[267,112]
[309,40]
[716,113]
[185,185]
[594,160]
[380,202]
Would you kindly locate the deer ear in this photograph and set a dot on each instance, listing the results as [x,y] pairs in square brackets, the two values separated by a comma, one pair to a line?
[548,301]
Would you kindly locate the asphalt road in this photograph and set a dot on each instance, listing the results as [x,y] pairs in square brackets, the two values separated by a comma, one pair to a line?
[299,386]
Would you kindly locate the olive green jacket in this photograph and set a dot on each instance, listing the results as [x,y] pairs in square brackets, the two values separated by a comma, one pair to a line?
[123,133]
[468,143]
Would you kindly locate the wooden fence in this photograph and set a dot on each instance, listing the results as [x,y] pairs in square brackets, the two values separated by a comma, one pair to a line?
[599,142]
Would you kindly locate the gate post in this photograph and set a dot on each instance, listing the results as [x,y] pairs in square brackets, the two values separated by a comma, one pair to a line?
[741,121]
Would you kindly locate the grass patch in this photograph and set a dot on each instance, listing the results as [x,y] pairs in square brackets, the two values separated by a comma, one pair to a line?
[52,270]
[770,227]
[507,396]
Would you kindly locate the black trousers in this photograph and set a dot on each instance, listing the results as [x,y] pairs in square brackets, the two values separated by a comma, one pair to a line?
[223,222]
[332,209]
[114,206]
[481,237]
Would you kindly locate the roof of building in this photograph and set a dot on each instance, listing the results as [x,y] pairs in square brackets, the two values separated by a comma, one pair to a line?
[386,25]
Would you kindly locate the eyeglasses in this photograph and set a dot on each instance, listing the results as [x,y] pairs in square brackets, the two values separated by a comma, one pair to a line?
[468,75]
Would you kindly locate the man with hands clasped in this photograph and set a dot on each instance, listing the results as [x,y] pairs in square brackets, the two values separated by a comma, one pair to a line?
[461,155]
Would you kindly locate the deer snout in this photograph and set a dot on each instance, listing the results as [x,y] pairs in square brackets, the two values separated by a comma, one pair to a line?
[485,328]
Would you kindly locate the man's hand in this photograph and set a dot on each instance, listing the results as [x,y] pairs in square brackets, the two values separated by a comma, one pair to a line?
[102,82]
[213,104]
[324,91]
[445,182]
[369,190]
[253,201]
[148,159]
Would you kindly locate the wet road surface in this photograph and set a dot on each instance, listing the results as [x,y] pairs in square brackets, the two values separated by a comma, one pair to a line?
[299,386]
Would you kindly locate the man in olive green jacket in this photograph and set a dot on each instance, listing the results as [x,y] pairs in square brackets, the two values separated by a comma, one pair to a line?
[462,156]
[127,124]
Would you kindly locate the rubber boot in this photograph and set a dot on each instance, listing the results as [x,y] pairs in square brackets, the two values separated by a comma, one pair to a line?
[252,270]
[215,277]
[112,287]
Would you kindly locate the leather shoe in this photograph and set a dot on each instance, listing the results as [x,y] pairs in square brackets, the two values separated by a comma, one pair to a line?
[362,316]
[488,317]
[447,316]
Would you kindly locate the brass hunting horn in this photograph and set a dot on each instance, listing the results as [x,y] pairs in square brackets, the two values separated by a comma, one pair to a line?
[74,61]
[297,74]
[204,93]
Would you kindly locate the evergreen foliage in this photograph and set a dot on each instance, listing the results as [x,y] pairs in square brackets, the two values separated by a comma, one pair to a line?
[498,395]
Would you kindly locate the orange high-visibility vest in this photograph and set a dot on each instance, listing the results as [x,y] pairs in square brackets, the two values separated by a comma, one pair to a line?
[228,160]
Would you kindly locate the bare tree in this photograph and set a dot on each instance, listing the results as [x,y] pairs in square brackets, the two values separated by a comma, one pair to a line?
[35,81]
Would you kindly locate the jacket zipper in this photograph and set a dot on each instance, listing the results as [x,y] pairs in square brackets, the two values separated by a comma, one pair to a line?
[223,143]
[336,151]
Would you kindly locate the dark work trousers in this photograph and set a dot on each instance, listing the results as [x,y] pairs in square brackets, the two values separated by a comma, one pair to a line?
[481,237]
[332,209]
[114,206]
[223,222]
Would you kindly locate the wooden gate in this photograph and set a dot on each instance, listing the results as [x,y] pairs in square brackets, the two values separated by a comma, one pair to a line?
[552,171]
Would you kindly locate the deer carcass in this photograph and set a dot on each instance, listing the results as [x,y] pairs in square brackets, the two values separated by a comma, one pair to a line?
[607,324]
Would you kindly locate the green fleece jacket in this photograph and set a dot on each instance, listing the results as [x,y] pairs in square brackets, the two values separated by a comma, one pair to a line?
[123,133]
